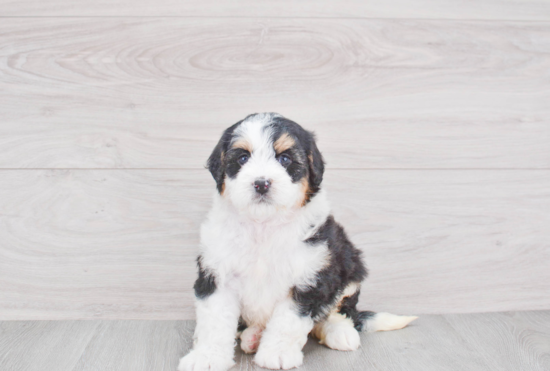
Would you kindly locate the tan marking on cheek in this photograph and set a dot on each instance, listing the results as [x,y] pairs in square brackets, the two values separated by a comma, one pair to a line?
[284,142]
[305,192]
[310,158]
[244,144]
[222,159]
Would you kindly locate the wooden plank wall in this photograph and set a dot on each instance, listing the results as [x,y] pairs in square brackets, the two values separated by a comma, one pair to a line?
[434,120]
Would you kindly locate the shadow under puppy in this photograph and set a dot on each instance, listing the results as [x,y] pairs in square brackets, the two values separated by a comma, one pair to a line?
[273,261]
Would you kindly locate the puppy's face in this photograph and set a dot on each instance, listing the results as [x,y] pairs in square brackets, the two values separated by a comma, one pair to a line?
[265,164]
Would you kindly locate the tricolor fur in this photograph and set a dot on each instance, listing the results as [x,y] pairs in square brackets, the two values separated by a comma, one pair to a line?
[274,263]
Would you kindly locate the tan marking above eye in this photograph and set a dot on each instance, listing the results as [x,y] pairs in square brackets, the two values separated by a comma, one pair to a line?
[244,144]
[284,142]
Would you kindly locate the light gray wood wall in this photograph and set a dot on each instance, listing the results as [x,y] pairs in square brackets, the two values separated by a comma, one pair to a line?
[157,92]
[424,9]
[434,118]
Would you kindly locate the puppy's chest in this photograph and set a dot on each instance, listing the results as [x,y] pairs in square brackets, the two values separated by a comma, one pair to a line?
[261,264]
[271,270]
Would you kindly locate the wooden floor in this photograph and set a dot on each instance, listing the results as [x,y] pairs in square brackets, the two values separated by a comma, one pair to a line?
[513,341]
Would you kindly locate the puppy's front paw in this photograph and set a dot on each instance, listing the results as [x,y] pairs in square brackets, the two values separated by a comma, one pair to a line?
[205,361]
[277,360]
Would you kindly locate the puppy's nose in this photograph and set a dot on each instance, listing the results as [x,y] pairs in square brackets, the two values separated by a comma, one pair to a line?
[262,186]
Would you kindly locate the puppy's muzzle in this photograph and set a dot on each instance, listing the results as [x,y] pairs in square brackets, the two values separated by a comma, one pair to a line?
[262,186]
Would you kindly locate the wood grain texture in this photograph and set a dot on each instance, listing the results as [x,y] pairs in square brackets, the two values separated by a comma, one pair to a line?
[470,342]
[121,243]
[439,9]
[93,345]
[530,350]
[104,244]
[157,92]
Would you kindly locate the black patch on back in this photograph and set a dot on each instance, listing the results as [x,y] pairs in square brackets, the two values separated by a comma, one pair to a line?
[205,284]
[307,160]
[345,267]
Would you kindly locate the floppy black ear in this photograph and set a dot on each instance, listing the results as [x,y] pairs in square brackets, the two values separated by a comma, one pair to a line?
[316,165]
[215,165]
[215,162]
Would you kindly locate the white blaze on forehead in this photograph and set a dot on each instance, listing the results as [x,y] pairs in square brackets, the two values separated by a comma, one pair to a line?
[257,133]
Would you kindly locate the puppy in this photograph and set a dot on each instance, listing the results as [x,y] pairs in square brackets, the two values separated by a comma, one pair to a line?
[273,261]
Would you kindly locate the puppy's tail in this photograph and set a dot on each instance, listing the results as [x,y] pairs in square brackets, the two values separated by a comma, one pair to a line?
[371,321]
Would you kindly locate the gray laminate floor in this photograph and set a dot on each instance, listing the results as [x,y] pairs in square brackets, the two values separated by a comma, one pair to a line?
[490,341]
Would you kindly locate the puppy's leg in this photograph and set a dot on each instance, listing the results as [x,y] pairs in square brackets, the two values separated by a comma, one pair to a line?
[250,339]
[284,337]
[214,339]
[337,332]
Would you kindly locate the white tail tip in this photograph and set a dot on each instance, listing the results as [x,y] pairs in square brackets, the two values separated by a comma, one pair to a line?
[387,322]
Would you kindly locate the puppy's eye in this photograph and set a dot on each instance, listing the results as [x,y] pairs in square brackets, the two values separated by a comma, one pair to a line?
[242,160]
[284,160]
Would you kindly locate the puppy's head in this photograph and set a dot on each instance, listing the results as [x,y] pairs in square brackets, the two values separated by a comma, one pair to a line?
[265,164]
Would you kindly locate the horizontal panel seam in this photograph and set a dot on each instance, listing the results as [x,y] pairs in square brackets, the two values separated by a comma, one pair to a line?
[286,17]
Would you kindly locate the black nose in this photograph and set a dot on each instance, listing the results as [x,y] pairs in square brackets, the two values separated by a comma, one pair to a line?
[262,186]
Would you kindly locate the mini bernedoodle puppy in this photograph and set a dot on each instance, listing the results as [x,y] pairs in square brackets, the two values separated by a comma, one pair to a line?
[274,266]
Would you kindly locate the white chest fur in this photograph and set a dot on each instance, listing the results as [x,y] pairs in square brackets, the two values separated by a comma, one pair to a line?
[261,261]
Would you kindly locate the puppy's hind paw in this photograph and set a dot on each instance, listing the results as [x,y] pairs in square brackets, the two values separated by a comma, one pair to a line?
[250,339]
[342,338]
[203,361]
[279,360]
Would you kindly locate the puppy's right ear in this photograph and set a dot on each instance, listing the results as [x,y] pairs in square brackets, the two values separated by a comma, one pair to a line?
[215,162]
[215,165]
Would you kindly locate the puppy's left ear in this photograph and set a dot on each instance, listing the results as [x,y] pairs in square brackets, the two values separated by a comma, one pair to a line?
[215,162]
[316,164]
